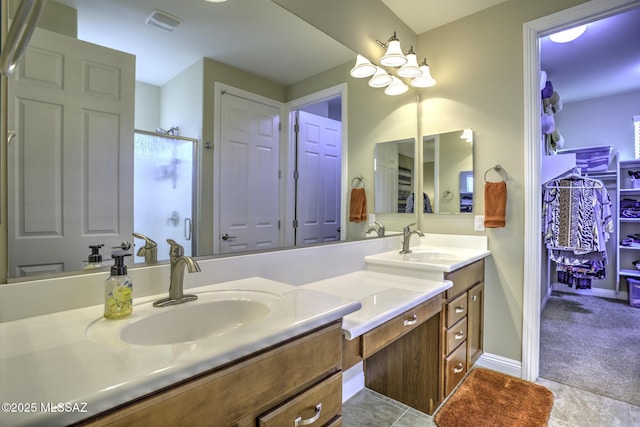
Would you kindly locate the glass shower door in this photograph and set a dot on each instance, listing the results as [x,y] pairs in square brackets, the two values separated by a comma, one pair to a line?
[164,191]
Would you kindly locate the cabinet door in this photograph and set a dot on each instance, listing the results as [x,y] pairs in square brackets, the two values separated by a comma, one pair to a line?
[475,318]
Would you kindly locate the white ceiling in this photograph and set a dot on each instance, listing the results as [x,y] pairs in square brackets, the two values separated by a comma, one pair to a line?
[424,15]
[260,36]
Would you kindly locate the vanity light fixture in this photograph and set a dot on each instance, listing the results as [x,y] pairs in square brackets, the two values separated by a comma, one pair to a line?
[424,79]
[216,1]
[405,66]
[397,87]
[569,35]
[363,67]
[381,78]
[394,56]
[410,69]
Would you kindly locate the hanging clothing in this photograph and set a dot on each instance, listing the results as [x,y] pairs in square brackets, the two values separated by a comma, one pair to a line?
[577,224]
[426,206]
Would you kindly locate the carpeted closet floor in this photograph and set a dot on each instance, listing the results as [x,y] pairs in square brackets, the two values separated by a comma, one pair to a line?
[592,344]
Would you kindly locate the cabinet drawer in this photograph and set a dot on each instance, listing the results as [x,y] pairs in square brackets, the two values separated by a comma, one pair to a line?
[390,331]
[455,368]
[335,423]
[464,278]
[243,390]
[456,310]
[318,405]
[455,336]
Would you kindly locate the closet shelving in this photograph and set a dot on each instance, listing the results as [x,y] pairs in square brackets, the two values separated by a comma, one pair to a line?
[627,226]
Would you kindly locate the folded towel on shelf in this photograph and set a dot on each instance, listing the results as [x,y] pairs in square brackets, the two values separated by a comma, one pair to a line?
[495,204]
[358,206]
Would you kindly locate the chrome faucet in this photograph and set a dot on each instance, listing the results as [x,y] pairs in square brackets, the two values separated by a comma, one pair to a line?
[407,233]
[379,229]
[178,263]
[150,249]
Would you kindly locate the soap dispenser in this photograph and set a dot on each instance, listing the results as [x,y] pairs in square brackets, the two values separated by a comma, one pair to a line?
[95,258]
[118,289]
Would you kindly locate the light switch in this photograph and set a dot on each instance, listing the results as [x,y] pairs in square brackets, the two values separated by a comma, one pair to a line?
[372,219]
[479,223]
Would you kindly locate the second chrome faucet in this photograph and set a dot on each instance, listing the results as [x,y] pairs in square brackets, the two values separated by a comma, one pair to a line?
[406,234]
[179,261]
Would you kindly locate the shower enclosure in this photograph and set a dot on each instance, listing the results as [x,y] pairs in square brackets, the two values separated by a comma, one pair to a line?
[165,171]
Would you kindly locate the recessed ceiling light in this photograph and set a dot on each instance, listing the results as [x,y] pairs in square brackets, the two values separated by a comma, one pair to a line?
[568,35]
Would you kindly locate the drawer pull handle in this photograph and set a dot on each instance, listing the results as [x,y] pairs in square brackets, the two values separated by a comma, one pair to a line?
[459,335]
[474,297]
[458,368]
[460,309]
[300,422]
[412,321]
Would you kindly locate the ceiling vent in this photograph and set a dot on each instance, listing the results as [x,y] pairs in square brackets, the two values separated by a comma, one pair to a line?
[163,20]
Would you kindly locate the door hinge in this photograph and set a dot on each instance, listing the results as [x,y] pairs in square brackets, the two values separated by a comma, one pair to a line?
[279,127]
[279,174]
[278,224]
[295,174]
[295,223]
[296,128]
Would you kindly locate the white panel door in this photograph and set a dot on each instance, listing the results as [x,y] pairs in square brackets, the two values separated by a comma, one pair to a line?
[71,162]
[249,175]
[386,178]
[319,159]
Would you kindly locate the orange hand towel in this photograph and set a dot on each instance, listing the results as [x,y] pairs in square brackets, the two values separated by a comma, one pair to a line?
[495,204]
[358,206]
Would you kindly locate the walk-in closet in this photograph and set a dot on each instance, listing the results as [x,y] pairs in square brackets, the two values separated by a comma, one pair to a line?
[590,212]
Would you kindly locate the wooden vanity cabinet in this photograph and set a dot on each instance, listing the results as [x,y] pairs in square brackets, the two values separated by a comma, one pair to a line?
[301,378]
[402,356]
[462,324]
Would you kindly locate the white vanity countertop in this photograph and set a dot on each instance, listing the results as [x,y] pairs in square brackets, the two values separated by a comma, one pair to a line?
[383,296]
[50,359]
[435,254]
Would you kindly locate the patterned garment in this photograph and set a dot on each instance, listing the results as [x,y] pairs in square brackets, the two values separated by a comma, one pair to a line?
[577,224]
[577,216]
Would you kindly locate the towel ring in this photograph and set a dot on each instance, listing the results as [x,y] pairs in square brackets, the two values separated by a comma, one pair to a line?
[500,170]
[357,180]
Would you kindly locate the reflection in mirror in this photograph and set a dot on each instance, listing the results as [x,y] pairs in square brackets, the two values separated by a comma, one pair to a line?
[84,178]
[448,172]
[394,174]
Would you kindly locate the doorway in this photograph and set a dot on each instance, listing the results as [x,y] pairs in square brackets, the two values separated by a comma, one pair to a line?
[317,175]
[316,168]
[249,174]
[533,156]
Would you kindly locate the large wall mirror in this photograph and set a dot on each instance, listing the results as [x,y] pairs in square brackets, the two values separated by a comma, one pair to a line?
[448,172]
[170,88]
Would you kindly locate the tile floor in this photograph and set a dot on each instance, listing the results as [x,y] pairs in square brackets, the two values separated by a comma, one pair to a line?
[572,408]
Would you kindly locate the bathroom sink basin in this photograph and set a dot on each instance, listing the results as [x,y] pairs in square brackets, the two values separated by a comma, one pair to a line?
[213,314]
[431,256]
[435,254]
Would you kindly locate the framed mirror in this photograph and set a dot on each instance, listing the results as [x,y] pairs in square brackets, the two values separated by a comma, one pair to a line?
[448,171]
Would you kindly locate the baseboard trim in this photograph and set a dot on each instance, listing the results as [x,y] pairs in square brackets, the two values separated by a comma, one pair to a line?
[500,364]
[595,292]
[352,381]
